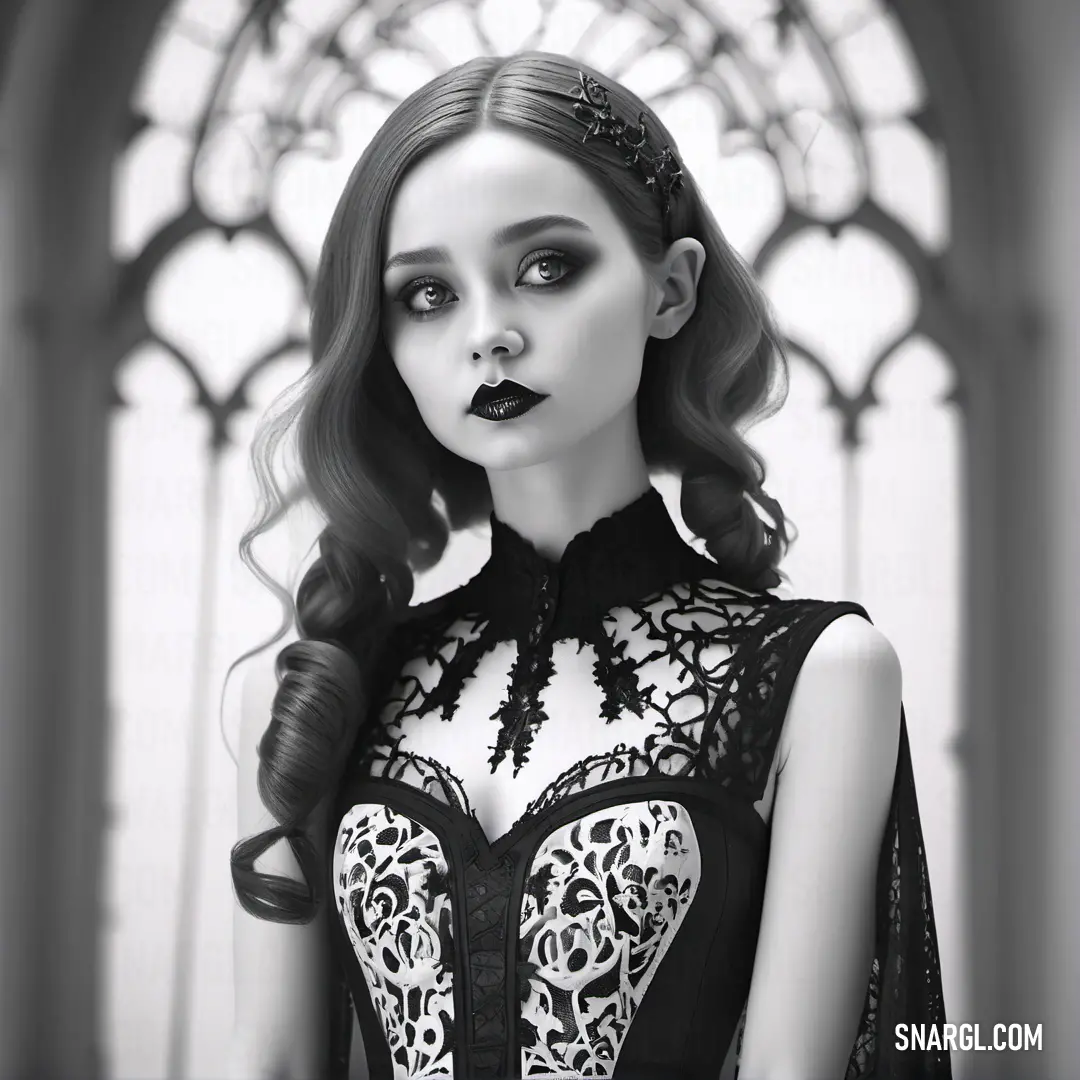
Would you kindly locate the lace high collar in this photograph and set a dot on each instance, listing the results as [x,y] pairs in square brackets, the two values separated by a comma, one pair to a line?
[620,559]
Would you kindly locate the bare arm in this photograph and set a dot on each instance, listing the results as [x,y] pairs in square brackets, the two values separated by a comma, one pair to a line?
[280,971]
[837,763]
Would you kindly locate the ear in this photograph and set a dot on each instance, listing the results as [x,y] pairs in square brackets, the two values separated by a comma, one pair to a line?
[676,280]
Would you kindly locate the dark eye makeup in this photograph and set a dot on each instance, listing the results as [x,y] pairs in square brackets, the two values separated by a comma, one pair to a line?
[538,259]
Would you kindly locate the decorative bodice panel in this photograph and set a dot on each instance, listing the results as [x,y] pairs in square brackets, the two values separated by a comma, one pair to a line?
[672,685]
[548,850]
[526,825]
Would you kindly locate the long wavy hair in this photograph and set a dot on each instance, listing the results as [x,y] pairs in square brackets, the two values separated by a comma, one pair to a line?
[377,475]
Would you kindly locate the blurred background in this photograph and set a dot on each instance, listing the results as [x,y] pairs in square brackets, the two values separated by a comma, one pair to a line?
[902,176]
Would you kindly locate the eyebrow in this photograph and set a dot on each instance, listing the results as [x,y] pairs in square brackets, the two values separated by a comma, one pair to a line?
[508,234]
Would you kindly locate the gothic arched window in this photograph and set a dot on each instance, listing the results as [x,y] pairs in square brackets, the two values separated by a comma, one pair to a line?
[808,126]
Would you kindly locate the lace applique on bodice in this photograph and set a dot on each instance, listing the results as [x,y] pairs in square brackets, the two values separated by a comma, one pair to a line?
[550,841]
[656,688]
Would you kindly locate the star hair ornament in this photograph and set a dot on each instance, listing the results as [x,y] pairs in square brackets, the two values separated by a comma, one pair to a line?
[661,172]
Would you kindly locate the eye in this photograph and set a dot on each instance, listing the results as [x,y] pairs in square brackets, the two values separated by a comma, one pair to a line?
[429,290]
[552,267]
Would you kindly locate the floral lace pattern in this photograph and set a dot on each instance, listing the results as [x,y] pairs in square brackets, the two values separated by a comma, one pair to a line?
[392,895]
[711,718]
[604,897]
[691,678]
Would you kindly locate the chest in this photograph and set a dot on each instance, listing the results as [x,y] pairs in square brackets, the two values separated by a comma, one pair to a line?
[526,721]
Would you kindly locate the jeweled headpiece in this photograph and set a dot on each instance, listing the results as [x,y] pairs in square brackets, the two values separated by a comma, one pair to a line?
[661,172]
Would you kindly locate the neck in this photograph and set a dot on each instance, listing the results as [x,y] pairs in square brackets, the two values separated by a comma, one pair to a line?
[551,502]
[620,558]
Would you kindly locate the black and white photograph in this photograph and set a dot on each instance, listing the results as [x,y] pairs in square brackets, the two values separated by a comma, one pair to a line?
[538,539]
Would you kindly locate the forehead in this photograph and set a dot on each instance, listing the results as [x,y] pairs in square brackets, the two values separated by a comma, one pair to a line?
[487,179]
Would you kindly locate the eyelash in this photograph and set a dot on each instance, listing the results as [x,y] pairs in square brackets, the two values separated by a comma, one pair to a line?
[531,260]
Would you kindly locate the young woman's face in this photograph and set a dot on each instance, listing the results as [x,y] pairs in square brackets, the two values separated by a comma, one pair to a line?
[562,308]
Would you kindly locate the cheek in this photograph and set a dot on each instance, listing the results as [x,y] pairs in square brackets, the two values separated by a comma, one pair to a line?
[441,413]
[410,355]
[408,369]
[606,342]
[415,369]
[614,312]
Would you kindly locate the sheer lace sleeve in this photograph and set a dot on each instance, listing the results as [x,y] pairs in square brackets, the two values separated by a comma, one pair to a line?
[905,978]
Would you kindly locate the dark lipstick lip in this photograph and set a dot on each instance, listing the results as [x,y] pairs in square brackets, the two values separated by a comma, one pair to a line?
[507,388]
[507,408]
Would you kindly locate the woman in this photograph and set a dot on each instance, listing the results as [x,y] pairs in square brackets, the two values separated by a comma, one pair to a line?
[611,808]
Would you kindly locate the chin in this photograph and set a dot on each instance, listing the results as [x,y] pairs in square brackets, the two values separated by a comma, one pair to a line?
[518,457]
[500,451]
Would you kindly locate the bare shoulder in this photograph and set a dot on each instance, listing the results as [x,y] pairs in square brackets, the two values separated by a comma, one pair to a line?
[280,971]
[852,638]
[848,690]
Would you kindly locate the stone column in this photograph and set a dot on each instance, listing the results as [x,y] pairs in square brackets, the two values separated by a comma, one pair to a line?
[67,81]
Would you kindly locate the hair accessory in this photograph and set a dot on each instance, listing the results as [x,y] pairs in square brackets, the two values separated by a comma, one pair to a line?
[662,172]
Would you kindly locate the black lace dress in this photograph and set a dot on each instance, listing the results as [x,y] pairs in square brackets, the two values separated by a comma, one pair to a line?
[610,930]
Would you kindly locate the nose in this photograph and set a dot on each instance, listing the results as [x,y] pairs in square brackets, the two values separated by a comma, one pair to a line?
[490,336]
[497,344]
